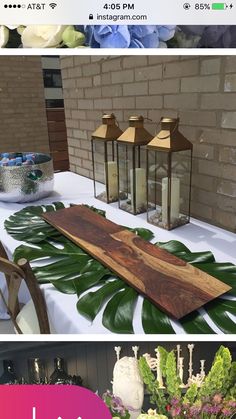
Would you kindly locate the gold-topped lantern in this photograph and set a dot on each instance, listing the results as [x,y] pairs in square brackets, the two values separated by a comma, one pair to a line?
[131,159]
[169,172]
[104,159]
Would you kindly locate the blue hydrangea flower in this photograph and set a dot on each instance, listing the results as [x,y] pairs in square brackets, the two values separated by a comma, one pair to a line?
[107,36]
[124,36]
[150,36]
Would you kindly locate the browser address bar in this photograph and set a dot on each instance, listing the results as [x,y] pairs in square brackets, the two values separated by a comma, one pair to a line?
[101,12]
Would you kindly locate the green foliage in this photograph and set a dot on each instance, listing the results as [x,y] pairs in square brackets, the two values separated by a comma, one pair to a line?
[163,356]
[214,380]
[154,320]
[191,394]
[119,311]
[142,232]
[72,271]
[231,390]
[172,379]
[157,396]
[225,354]
[197,403]
[148,378]
[222,376]
[232,393]
[232,374]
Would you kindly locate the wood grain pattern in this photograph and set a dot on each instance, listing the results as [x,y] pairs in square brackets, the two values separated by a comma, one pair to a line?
[175,286]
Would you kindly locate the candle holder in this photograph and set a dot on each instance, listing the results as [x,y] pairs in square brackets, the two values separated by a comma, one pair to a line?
[36,368]
[169,168]
[104,160]
[59,375]
[8,376]
[131,158]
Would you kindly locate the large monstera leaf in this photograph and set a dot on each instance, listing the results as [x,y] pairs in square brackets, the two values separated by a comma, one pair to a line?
[27,224]
[57,260]
[219,311]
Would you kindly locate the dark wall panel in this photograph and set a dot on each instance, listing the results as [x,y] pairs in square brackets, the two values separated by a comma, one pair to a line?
[94,361]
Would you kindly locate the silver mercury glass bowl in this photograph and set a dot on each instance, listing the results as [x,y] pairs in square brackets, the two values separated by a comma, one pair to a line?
[27,183]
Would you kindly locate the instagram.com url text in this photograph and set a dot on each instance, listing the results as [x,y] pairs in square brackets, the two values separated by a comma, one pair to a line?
[115,18]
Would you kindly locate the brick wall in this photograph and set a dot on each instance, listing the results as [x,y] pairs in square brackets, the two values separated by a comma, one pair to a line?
[200,90]
[23,123]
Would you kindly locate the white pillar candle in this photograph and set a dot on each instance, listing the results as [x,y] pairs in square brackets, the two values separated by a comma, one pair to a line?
[178,355]
[175,199]
[139,189]
[202,372]
[181,369]
[159,374]
[117,351]
[135,349]
[190,348]
[112,174]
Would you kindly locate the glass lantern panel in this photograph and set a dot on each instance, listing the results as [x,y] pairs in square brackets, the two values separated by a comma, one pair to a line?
[157,175]
[169,188]
[105,171]
[181,188]
[132,178]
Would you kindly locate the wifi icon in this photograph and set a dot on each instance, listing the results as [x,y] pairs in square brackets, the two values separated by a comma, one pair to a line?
[53,5]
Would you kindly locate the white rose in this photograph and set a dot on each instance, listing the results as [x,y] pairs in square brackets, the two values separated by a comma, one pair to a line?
[42,36]
[4,36]
[20,29]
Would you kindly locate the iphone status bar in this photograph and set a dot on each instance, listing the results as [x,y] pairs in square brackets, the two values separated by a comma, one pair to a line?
[90,12]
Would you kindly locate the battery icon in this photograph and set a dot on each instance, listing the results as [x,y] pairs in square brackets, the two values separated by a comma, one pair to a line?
[218,6]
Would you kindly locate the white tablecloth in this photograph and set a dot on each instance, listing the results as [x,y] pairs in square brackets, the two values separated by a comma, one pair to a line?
[69,187]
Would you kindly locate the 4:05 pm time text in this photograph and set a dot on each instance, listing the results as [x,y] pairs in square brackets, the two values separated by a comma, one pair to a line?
[119,6]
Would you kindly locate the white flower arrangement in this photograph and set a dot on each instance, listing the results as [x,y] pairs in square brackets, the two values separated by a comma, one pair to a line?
[152,414]
[4,36]
[43,36]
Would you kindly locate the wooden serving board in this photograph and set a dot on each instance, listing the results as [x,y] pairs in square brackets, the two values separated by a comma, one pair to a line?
[175,286]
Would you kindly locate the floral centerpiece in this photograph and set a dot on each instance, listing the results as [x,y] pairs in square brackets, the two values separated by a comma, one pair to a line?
[117,36]
[215,398]
[98,36]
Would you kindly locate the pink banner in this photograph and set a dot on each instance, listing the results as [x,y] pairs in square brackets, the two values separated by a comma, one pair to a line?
[50,402]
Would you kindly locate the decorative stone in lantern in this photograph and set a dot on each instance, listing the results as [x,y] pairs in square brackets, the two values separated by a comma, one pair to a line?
[131,159]
[104,159]
[169,171]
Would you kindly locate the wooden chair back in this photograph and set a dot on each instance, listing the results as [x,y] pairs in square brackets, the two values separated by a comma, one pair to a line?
[14,274]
